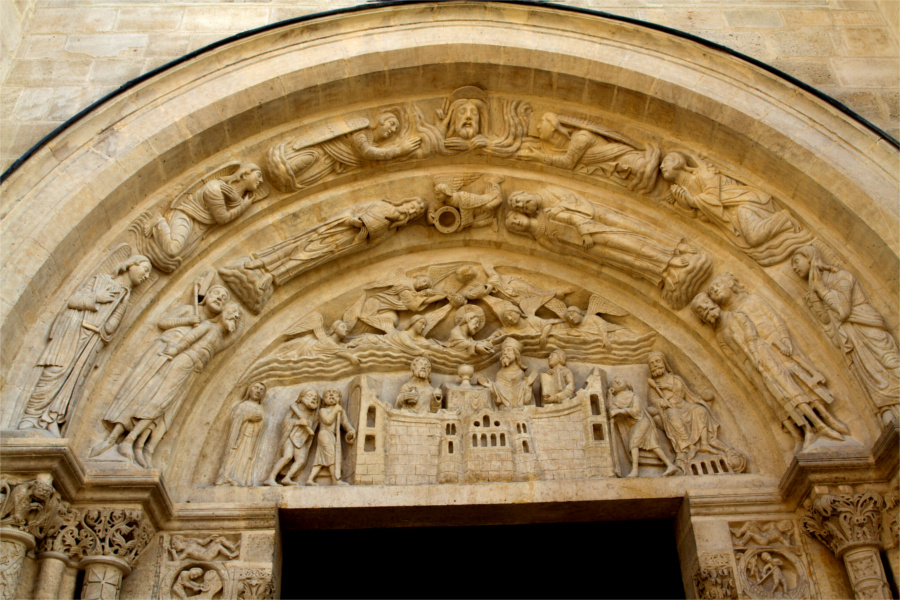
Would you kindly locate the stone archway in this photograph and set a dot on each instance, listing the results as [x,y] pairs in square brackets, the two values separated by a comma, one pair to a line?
[456,182]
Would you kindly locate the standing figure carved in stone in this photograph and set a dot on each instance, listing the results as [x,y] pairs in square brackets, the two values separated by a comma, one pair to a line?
[798,399]
[557,217]
[243,438]
[338,147]
[91,317]
[511,387]
[839,303]
[151,396]
[686,418]
[297,432]
[635,426]
[253,278]
[748,217]
[216,199]
[468,320]
[332,417]
[557,383]
[418,394]
[585,146]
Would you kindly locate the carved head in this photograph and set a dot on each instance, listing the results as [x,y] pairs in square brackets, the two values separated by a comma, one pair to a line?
[417,325]
[331,396]
[525,202]
[178,542]
[511,353]
[465,118]
[557,358]
[339,328]
[471,317]
[807,258]
[573,316]
[138,268]
[705,309]
[658,364]
[421,367]
[551,130]
[215,299]
[308,398]
[518,222]
[413,209]
[195,573]
[256,391]
[673,164]
[251,176]
[466,274]
[422,282]
[231,316]
[619,385]
[386,125]
[723,287]
[511,316]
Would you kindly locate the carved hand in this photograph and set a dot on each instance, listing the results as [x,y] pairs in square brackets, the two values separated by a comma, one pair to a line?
[171,350]
[479,141]
[350,437]
[105,297]
[785,346]
[587,241]
[410,144]
[455,143]
[528,154]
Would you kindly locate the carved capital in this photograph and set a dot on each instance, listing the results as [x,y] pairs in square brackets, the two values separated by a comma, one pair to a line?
[32,507]
[715,583]
[845,521]
[109,532]
[254,584]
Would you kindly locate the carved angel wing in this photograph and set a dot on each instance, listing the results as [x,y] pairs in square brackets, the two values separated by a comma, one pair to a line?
[351,315]
[600,305]
[455,182]
[438,273]
[116,257]
[395,277]
[222,172]
[311,322]
[434,317]
[330,130]
[599,129]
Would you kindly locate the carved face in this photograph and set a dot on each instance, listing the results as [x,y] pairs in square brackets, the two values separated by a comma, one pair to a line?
[800,265]
[466,121]
[215,299]
[554,360]
[231,316]
[508,356]
[511,317]
[618,385]
[387,126]
[465,274]
[573,317]
[257,391]
[139,272]
[421,369]
[518,222]
[411,209]
[546,128]
[525,203]
[309,399]
[707,310]
[474,324]
[422,282]
[341,329]
[657,366]
[670,167]
[720,290]
[418,326]
[331,397]
[254,179]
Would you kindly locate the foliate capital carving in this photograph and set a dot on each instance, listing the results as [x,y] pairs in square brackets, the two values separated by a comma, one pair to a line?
[715,583]
[845,521]
[32,506]
[254,584]
[120,533]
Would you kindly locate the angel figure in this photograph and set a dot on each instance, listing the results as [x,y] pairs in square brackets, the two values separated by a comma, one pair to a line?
[524,294]
[396,293]
[332,417]
[749,217]
[517,324]
[215,199]
[297,432]
[589,323]
[579,144]
[456,209]
[91,317]
[338,147]
[334,341]
[243,438]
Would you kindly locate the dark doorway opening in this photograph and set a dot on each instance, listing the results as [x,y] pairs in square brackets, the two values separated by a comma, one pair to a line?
[621,559]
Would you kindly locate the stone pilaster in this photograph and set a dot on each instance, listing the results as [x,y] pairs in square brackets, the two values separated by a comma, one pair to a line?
[850,526]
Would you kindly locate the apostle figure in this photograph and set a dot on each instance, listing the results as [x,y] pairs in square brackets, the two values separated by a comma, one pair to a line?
[216,199]
[557,383]
[417,394]
[339,147]
[635,426]
[151,396]
[243,438]
[328,440]
[511,387]
[748,217]
[686,418]
[297,432]
[90,318]
[579,144]
[788,383]
[468,320]
[839,303]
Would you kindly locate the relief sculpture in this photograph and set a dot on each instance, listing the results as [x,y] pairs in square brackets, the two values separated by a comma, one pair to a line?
[216,199]
[749,218]
[771,562]
[298,431]
[838,301]
[635,426]
[151,396]
[91,317]
[563,220]
[243,438]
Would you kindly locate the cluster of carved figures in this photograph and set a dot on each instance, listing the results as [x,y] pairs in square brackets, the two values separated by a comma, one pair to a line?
[534,320]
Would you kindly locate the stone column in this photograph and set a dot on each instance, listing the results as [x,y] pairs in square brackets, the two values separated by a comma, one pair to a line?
[51,569]
[850,525]
[103,577]
[13,546]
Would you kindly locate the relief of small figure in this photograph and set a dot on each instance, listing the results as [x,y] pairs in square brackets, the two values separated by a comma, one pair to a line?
[586,146]
[468,320]
[243,438]
[206,549]
[417,394]
[332,418]
[557,383]
[838,301]
[779,533]
[197,583]
[216,199]
[89,320]
[511,387]
[298,430]
[635,426]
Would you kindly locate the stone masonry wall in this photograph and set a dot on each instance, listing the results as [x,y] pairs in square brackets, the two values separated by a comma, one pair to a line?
[59,56]
[559,443]
[413,446]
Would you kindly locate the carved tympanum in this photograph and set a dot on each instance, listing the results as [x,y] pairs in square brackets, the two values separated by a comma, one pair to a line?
[91,317]
[243,438]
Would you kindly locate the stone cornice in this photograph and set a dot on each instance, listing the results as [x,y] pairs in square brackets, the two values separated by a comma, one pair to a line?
[37,454]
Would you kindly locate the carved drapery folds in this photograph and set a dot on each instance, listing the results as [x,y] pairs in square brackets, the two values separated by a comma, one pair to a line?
[850,526]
